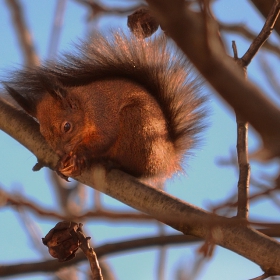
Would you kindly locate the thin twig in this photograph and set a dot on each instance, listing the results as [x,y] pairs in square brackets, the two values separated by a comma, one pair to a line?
[111,248]
[90,254]
[260,194]
[263,35]
[244,167]
[98,214]
[56,29]
[32,231]
[270,75]
[242,155]
[198,266]
[62,191]
[161,255]
[97,9]
[24,36]
[234,48]
[264,8]
[243,31]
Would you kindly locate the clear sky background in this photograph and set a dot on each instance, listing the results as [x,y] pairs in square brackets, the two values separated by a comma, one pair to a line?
[205,185]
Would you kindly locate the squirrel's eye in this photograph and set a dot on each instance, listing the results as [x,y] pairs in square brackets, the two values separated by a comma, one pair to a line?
[66,126]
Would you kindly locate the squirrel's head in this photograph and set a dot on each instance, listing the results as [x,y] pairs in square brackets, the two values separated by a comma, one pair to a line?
[61,119]
[61,122]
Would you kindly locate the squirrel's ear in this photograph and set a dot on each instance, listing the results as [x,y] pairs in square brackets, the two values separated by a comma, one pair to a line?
[27,105]
[61,96]
[56,92]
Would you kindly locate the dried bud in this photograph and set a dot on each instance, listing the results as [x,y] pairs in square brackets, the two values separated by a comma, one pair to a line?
[62,241]
[141,23]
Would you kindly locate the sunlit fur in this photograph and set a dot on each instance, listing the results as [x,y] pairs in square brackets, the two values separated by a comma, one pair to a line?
[137,97]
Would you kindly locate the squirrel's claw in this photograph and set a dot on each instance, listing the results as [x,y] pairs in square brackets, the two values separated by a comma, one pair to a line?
[70,166]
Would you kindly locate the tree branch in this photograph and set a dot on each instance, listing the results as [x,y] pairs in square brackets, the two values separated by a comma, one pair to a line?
[244,168]
[264,8]
[184,217]
[243,31]
[242,154]
[103,250]
[127,217]
[187,28]
[24,36]
[263,35]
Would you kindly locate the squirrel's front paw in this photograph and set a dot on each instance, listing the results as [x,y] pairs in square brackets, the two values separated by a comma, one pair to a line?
[70,165]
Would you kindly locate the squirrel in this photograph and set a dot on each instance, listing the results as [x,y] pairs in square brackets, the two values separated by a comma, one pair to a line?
[124,102]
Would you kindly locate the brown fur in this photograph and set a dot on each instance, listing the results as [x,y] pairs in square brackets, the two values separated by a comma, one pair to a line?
[131,105]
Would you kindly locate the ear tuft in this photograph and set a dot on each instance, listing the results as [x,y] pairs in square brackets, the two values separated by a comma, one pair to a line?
[23,102]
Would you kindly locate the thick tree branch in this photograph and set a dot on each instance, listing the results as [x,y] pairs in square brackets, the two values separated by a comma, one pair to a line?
[184,217]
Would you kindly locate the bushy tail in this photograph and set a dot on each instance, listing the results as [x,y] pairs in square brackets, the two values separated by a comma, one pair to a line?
[152,63]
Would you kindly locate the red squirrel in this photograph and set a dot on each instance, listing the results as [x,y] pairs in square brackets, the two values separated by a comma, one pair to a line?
[123,102]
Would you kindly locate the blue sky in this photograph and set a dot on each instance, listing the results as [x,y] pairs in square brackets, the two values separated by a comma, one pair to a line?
[205,184]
